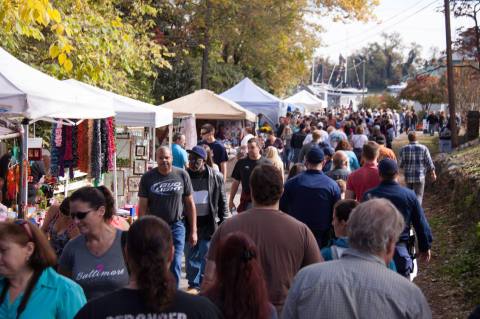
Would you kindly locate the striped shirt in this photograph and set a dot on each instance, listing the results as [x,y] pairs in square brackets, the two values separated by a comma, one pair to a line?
[415,159]
[358,285]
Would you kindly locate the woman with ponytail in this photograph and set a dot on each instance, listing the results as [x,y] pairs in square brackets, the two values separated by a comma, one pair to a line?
[239,289]
[29,286]
[94,259]
[152,291]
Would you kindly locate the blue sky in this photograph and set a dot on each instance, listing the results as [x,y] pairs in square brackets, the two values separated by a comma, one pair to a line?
[416,20]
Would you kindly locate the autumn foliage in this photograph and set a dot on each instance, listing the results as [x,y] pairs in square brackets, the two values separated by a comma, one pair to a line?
[426,90]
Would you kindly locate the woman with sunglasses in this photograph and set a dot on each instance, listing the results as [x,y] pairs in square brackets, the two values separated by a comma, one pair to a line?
[94,259]
[59,226]
[29,287]
[152,291]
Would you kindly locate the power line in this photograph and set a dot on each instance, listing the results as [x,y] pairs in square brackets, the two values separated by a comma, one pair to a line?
[383,22]
[392,25]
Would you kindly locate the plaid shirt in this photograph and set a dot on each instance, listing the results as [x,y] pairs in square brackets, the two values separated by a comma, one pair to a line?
[415,159]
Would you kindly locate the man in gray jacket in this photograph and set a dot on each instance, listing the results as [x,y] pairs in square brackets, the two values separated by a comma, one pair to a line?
[359,284]
[211,205]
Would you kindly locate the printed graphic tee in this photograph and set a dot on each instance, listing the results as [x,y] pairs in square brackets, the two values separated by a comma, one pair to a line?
[98,275]
[165,193]
[128,303]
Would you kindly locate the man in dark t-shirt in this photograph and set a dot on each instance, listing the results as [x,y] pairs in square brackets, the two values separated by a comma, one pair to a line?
[220,156]
[166,192]
[241,174]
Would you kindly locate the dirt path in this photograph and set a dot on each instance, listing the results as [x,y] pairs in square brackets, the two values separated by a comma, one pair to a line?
[444,296]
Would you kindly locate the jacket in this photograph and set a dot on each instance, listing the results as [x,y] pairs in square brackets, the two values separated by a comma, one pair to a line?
[217,198]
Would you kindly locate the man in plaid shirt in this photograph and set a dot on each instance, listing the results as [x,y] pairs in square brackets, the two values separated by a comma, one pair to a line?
[416,162]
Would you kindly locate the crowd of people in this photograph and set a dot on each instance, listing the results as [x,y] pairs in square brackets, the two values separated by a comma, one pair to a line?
[321,228]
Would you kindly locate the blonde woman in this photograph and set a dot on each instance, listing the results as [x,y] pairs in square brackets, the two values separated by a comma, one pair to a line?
[271,153]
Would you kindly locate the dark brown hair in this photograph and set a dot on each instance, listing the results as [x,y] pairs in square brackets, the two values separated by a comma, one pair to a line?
[266,184]
[239,289]
[149,243]
[65,206]
[295,170]
[344,207]
[96,197]
[370,151]
[208,128]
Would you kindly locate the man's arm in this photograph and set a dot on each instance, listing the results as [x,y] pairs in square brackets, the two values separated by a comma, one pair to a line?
[223,169]
[142,206]
[233,192]
[222,200]
[191,213]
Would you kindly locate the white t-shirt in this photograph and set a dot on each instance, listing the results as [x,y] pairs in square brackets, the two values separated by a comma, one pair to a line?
[245,139]
[358,140]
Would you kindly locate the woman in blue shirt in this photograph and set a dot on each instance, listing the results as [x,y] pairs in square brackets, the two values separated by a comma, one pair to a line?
[29,287]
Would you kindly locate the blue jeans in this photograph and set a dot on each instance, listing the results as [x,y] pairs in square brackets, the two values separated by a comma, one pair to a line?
[403,260]
[178,236]
[286,157]
[195,262]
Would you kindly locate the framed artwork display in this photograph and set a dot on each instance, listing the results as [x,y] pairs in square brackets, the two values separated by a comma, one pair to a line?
[123,152]
[139,166]
[133,183]
[140,150]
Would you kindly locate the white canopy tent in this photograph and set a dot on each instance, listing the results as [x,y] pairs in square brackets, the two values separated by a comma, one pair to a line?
[130,112]
[205,104]
[310,102]
[32,95]
[28,93]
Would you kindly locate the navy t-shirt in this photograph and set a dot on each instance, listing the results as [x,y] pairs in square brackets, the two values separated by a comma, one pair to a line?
[219,151]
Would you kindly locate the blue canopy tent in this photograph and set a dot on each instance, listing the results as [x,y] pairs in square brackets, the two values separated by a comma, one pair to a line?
[257,100]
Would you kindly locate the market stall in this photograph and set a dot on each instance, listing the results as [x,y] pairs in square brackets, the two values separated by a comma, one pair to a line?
[309,102]
[28,95]
[257,100]
[207,107]
[135,146]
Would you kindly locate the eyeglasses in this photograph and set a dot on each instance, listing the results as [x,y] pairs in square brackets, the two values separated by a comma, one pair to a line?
[25,226]
[79,215]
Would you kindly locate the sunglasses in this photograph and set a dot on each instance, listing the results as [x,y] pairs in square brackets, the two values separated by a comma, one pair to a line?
[79,215]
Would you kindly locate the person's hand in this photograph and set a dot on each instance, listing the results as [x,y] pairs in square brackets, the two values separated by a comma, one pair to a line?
[231,205]
[425,256]
[433,176]
[193,238]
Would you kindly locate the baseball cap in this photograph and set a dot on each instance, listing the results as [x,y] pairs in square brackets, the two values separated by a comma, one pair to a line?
[198,151]
[387,167]
[315,155]
[328,151]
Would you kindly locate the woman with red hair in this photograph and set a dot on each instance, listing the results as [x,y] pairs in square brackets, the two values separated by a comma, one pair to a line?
[239,289]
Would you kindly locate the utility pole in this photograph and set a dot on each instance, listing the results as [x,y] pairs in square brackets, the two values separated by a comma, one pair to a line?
[451,89]
[363,86]
[206,43]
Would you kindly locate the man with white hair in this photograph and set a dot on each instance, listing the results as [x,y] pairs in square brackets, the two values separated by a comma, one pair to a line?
[359,284]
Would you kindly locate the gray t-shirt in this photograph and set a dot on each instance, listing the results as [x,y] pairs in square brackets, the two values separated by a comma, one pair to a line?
[165,193]
[97,275]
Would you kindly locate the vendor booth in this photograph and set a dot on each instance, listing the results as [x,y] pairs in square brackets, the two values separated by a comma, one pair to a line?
[135,142]
[207,107]
[257,100]
[190,112]
[28,95]
[309,102]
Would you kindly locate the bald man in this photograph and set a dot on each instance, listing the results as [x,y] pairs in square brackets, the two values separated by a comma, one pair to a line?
[167,192]
[340,166]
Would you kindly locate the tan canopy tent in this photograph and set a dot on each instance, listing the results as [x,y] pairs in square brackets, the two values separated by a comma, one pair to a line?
[205,104]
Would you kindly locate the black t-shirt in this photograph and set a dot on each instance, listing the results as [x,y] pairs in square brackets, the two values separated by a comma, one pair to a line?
[297,140]
[128,303]
[243,169]
[219,152]
[165,193]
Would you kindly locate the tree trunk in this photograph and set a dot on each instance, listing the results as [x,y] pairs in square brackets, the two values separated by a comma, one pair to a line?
[206,49]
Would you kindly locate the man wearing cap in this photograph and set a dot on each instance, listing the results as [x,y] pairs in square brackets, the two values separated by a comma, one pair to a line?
[297,142]
[407,203]
[211,206]
[309,197]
